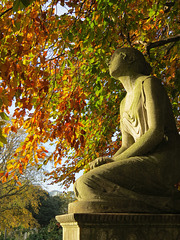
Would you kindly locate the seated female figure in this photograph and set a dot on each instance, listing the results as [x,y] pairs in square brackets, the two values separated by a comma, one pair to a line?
[147,166]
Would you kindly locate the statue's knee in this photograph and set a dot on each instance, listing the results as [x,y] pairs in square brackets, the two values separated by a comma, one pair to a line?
[78,183]
[81,183]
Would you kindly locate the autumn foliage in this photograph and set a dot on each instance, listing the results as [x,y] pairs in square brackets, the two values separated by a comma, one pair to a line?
[54,66]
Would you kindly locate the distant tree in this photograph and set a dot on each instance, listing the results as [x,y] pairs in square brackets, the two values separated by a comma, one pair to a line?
[51,232]
[14,206]
[17,193]
[51,206]
[66,198]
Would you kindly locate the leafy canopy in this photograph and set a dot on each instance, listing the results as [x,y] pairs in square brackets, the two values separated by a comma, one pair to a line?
[55,67]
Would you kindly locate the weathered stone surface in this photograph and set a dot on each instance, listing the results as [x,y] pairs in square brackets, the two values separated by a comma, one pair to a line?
[122,206]
[147,166]
[120,226]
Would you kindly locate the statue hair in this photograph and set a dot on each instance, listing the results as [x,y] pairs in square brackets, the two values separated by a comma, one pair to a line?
[136,60]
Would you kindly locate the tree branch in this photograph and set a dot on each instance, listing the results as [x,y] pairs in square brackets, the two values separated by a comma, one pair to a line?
[149,45]
[11,192]
[9,9]
[162,42]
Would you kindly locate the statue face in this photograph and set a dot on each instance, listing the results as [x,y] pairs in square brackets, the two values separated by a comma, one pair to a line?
[118,65]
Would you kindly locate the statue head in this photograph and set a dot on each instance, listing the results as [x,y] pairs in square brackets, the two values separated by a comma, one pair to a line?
[126,61]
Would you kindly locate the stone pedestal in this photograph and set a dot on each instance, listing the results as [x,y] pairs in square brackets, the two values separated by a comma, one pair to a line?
[120,226]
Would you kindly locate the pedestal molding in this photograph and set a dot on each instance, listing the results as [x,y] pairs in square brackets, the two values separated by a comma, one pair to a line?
[120,218]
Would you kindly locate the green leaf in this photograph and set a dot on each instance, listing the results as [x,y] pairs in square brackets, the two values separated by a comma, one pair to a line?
[70,36]
[69,63]
[62,67]
[18,25]
[4,116]
[3,139]
[16,5]
[151,13]
[1,102]
[26,3]
[2,123]
[20,4]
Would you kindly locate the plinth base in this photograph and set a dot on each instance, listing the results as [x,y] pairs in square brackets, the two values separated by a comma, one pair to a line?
[120,226]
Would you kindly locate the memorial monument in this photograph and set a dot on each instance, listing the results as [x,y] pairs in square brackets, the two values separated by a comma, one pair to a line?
[143,173]
[141,176]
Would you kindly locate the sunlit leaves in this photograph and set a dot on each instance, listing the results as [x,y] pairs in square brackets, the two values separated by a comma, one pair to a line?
[55,67]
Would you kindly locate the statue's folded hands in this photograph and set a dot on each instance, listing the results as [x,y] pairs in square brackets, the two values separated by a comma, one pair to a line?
[100,161]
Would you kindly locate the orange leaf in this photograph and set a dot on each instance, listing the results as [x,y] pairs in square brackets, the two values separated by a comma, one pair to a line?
[20,169]
[14,129]
[16,178]
[19,183]
[4,179]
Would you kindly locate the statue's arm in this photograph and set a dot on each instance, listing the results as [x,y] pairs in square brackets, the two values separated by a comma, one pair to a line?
[127,141]
[155,104]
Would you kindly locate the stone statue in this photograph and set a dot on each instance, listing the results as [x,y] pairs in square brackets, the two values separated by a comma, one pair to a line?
[141,176]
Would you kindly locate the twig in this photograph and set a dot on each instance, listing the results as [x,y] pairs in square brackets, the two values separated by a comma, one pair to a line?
[162,42]
[149,45]
[9,9]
